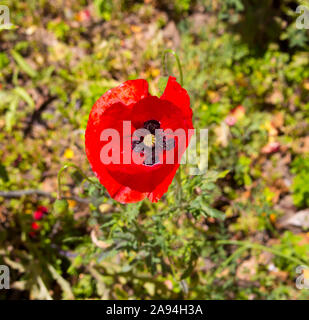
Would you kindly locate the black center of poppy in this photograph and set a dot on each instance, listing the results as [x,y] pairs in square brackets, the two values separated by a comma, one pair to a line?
[152,125]
[152,143]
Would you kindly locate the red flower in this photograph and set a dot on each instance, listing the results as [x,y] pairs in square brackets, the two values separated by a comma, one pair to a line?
[39,213]
[271,147]
[35,226]
[43,209]
[83,15]
[235,114]
[32,234]
[230,120]
[138,167]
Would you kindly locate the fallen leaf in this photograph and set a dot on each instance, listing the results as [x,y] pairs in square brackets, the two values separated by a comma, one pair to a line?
[247,269]
[299,219]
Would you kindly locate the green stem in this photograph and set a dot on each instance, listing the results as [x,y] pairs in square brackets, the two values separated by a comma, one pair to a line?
[178,174]
[172,268]
[256,246]
[66,166]
[179,187]
[245,246]
[226,262]
[165,52]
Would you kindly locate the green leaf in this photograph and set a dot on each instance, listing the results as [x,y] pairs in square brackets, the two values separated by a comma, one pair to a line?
[3,173]
[10,116]
[24,65]
[211,212]
[64,284]
[132,211]
[223,174]
[9,26]
[61,206]
[212,176]
[24,95]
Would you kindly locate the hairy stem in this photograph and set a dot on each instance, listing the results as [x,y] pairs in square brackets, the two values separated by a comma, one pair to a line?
[165,52]
[257,246]
[71,165]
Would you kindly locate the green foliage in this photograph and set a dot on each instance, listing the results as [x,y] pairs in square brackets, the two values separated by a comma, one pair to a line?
[290,244]
[24,66]
[61,206]
[4,60]
[104,8]
[300,186]
[182,6]
[59,28]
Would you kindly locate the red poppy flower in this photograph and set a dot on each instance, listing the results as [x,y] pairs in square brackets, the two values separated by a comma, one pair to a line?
[35,226]
[39,213]
[42,209]
[32,234]
[139,162]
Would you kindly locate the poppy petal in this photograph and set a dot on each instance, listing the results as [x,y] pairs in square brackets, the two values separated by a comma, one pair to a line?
[116,190]
[160,189]
[176,94]
[128,93]
[127,195]
[153,108]
[121,193]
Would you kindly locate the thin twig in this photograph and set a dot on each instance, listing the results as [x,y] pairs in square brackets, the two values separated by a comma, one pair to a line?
[37,114]
[29,192]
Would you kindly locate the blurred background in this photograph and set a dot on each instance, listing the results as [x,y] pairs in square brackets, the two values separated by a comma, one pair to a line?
[238,231]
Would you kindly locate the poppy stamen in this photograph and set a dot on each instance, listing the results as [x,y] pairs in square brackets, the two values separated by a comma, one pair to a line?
[152,143]
[149,140]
